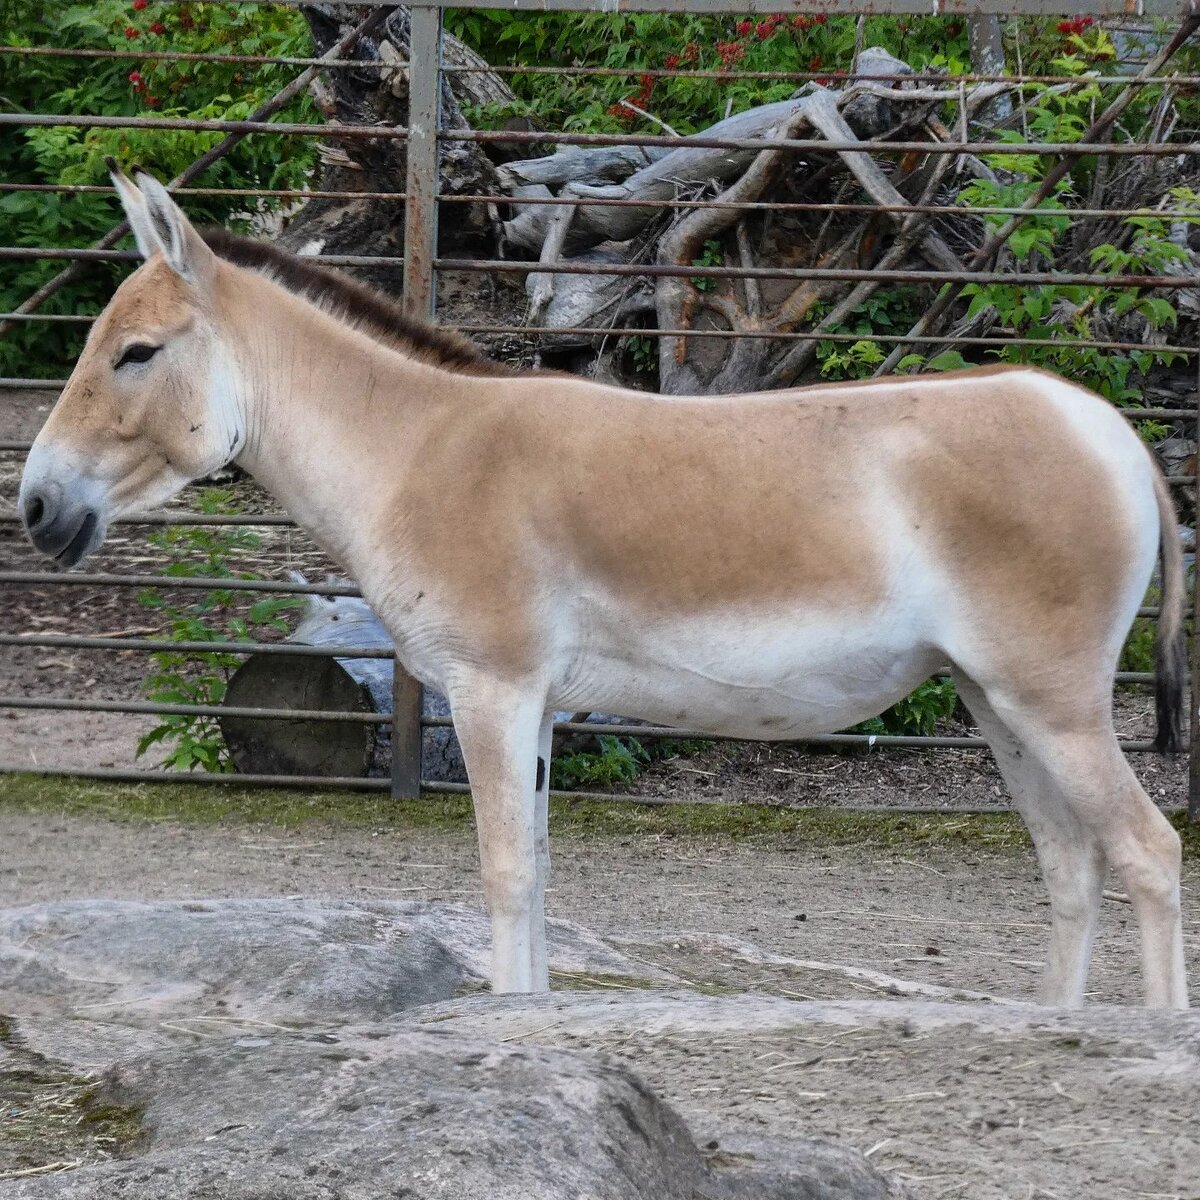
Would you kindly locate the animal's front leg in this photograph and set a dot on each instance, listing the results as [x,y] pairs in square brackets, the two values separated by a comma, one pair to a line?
[541,836]
[498,730]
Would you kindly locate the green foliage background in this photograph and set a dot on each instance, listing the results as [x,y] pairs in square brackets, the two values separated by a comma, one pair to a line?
[66,155]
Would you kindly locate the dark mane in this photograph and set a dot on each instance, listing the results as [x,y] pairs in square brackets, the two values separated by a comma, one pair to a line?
[355,303]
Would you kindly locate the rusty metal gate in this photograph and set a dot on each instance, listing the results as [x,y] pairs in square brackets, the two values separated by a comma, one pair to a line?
[421,263]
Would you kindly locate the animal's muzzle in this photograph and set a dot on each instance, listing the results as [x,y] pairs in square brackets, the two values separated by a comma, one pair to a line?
[63,532]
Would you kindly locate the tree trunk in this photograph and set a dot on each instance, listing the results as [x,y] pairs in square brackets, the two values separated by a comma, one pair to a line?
[379,96]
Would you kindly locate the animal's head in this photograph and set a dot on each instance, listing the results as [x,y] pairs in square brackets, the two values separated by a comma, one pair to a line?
[152,402]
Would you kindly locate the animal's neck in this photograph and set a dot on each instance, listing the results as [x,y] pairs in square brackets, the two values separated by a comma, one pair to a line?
[333,419]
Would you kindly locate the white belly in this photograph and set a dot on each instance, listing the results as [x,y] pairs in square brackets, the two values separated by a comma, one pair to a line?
[743,674]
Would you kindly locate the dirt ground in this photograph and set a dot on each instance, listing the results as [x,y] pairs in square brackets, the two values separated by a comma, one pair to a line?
[953,1112]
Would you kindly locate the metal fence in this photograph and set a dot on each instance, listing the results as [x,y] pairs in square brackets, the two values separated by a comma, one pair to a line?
[421,263]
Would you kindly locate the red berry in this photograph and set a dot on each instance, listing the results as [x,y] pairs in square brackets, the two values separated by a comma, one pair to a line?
[131,33]
[158,27]
[821,18]
[763,30]
[138,5]
[802,22]
[743,28]
[135,77]
[151,100]
[671,62]
[730,52]
[814,63]
[1064,27]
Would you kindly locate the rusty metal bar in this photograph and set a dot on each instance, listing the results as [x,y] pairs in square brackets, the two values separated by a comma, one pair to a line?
[281,98]
[163,645]
[81,189]
[250,125]
[303,650]
[785,206]
[334,131]
[808,335]
[923,8]
[614,202]
[149,707]
[173,518]
[800,335]
[1065,150]
[866,741]
[173,582]
[830,274]
[572,71]
[843,77]
[258,60]
[34,578]
[354,783]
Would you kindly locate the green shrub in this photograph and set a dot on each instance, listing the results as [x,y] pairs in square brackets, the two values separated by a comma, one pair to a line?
[918,713]
[192,677]
[640,42]
[618,763]
[129,87]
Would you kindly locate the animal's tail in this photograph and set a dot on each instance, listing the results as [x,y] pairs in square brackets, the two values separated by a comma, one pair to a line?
[1171,663]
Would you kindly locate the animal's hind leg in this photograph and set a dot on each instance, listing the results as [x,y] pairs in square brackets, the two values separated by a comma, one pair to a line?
[1084,764]
[1070,856]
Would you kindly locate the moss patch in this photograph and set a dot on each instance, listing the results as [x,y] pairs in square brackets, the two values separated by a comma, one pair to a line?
[54,1120]
[203,804]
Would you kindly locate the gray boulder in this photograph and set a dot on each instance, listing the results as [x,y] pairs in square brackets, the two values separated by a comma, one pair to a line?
[304,1049]
[422,1115]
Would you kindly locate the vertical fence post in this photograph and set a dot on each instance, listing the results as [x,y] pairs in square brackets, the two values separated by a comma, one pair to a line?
[420,300]
[1194,698]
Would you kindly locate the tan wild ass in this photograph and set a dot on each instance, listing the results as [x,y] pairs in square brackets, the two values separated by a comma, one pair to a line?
[768,566]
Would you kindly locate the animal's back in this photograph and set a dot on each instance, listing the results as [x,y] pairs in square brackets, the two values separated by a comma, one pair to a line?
[1011,477]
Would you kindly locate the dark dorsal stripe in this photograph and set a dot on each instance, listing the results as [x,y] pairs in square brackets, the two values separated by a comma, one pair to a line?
[355,303]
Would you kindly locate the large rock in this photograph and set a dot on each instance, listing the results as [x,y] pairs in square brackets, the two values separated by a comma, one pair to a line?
[424,1115]
[94,970]
[297,1049]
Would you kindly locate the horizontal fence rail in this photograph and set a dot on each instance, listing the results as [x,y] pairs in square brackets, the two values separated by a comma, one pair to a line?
[422,137]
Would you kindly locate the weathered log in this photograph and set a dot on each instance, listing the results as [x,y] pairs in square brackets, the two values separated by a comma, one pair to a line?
[275,747]
[341,684]
[663,178]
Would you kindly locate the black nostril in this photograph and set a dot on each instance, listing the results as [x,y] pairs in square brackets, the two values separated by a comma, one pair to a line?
[35,510]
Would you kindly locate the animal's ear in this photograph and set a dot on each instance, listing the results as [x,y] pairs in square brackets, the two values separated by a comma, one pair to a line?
[134,205]
[182,247]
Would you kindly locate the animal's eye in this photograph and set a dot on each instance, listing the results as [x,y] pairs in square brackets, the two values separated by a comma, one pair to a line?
[139,352]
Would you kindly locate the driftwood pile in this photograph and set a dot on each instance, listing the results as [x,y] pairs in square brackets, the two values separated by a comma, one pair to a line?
[871,108]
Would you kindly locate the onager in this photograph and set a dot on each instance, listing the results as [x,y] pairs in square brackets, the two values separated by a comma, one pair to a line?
[767,566]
